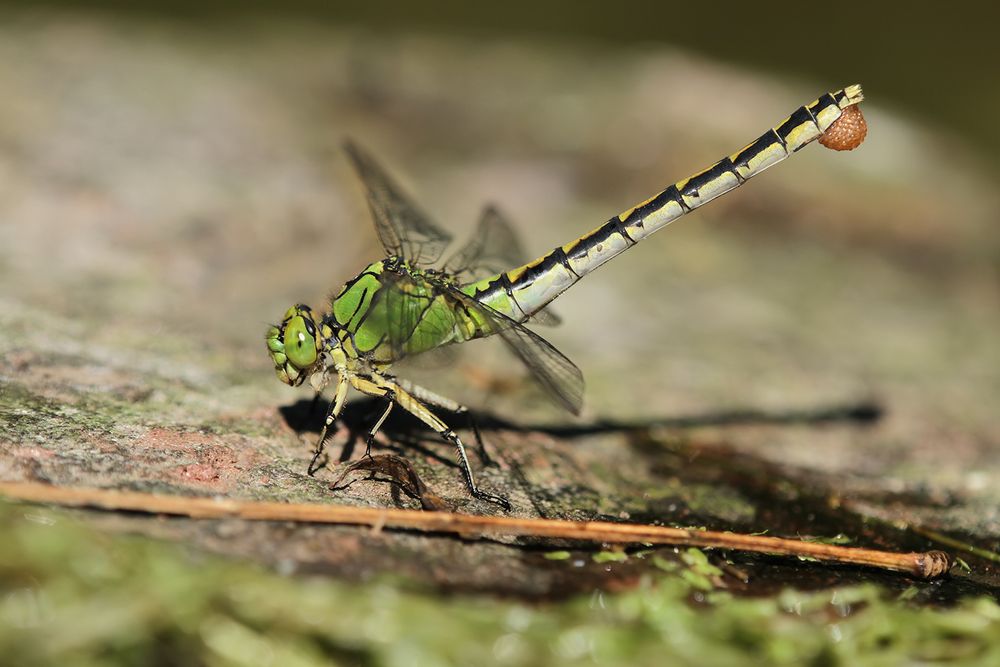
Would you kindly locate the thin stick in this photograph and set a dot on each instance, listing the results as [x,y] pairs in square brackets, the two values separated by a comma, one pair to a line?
[923,565]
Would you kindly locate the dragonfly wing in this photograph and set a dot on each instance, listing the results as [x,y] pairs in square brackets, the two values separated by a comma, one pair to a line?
[546,317]
[559,376]
[550,367]
[493,249]
[404,230]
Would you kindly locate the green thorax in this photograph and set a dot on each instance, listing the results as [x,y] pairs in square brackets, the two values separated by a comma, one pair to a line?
[392,310]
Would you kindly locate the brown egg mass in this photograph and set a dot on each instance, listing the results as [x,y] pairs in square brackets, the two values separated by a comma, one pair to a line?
[847,132]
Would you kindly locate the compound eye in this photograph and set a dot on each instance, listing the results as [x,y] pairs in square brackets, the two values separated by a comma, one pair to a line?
[300,344]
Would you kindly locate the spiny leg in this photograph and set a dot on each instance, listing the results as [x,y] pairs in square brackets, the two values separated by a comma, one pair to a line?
[427,396]
[318,450]
[452,437]
[377,385]
[336,405]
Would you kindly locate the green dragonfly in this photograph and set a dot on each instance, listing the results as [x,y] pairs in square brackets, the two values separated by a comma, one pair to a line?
[400,306]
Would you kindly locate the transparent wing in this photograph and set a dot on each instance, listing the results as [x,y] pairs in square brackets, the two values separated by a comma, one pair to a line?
[558,376]
[404,230]
[493,249]
[546,318]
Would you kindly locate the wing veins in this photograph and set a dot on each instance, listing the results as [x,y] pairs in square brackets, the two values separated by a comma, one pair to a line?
[548,366]
[404,230]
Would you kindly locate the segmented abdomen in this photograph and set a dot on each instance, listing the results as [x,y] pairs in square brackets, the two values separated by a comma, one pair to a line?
[527,289]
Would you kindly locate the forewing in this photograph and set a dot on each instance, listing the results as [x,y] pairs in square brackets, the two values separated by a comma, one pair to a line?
[404,230]
[559,376]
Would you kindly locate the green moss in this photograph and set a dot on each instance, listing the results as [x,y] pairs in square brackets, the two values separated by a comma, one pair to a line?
[722,502]
[27,416]
[610,557]
[75,597]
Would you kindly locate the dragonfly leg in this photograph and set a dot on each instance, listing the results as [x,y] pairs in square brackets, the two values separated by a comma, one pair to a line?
[480,445]
[318,450]
[390,397]
[427,396]
[452,437]
[331,416]
[380,386]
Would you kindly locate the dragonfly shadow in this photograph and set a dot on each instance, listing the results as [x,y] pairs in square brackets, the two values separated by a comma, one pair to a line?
[401,430]
[405,432]
[860,413]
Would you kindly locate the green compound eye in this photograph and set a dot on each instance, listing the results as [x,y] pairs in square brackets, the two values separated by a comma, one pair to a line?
[300,344]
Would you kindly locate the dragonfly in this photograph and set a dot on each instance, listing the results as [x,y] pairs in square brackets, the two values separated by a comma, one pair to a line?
[410,302]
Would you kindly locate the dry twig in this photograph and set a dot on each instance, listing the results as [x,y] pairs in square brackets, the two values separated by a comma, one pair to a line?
[923,565]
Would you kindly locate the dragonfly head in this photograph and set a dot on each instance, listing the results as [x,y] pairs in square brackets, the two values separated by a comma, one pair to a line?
[295,345]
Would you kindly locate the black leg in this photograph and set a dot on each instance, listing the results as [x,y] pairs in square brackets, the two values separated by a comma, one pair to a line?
[463,461]
[390,398]
[313,468]
[327,423]
[480,445]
